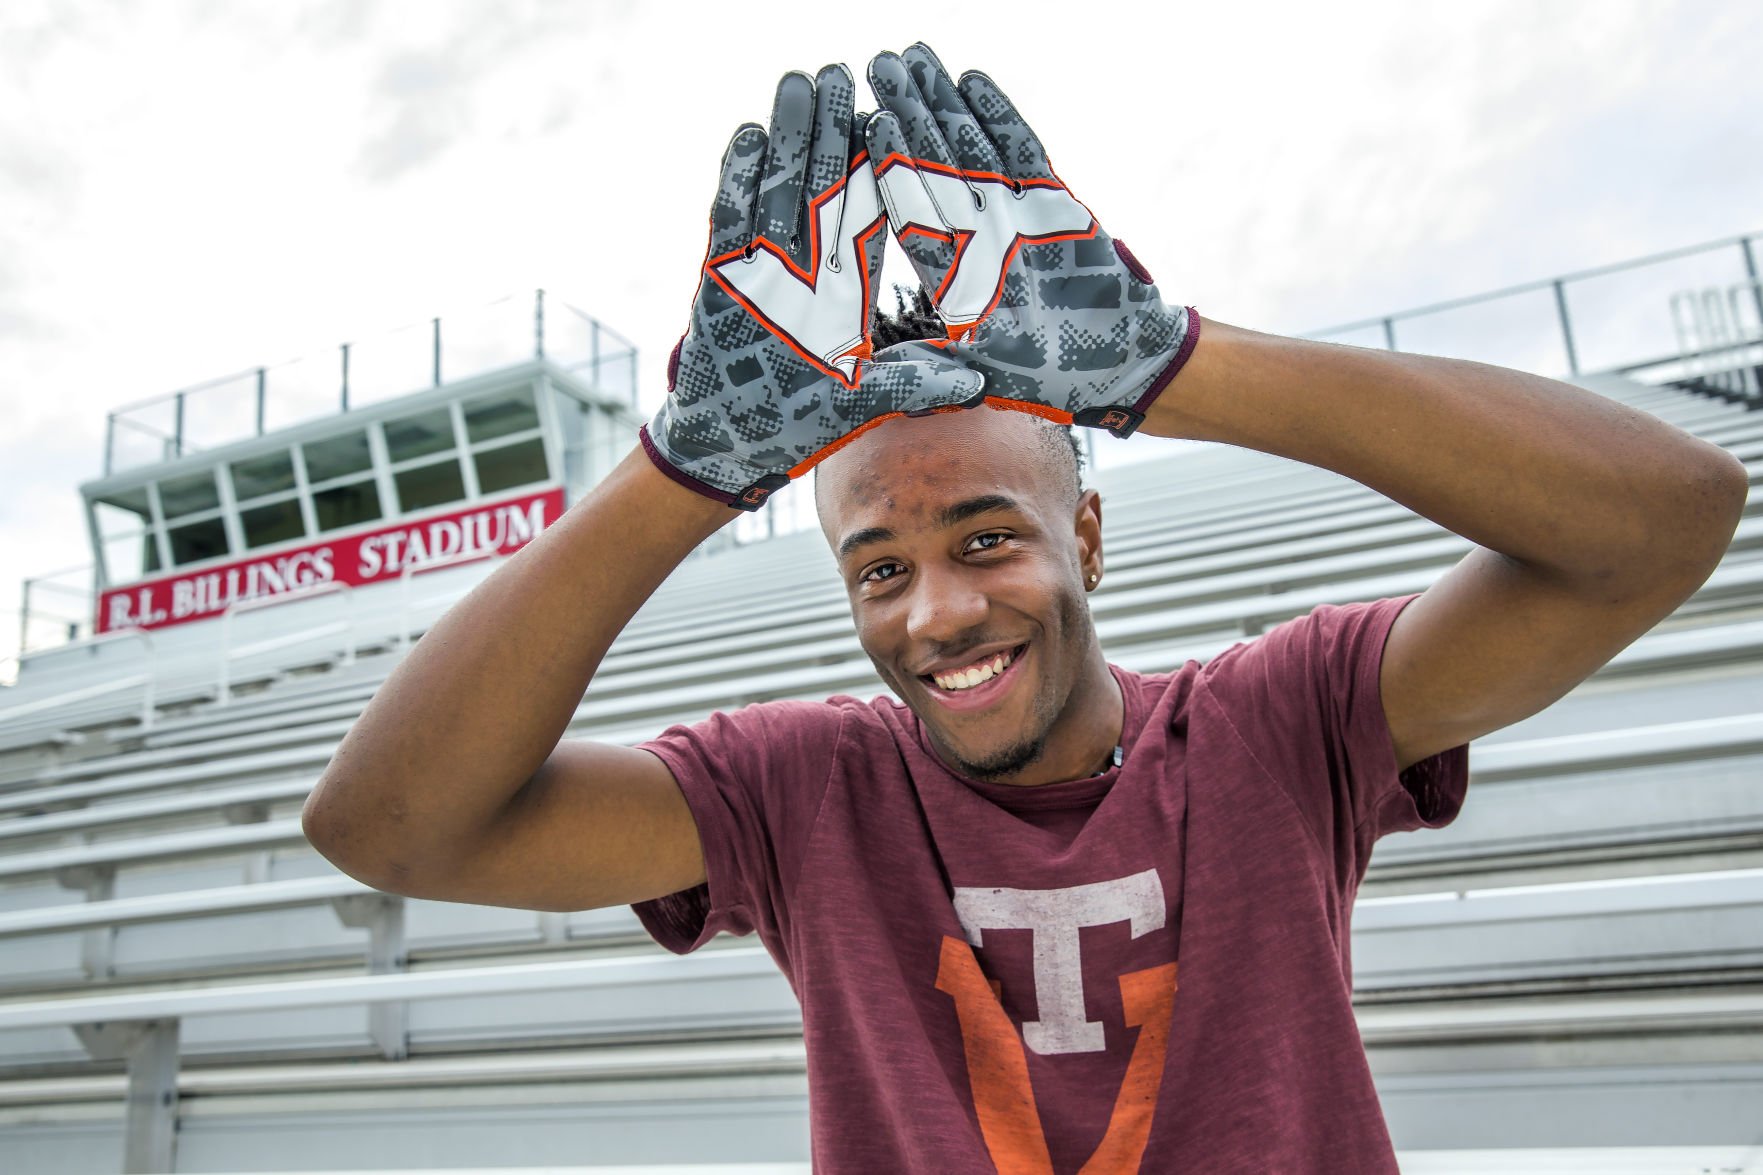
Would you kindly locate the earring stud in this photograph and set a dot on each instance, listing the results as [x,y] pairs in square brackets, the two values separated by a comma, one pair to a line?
[1092,580]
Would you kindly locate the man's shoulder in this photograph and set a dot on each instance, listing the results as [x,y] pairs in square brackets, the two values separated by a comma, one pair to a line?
[799,718]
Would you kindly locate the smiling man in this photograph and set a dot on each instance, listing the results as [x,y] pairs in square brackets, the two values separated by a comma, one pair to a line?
[966,545]
[1042,914]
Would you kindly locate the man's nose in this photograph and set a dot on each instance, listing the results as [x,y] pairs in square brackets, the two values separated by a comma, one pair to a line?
[945,606]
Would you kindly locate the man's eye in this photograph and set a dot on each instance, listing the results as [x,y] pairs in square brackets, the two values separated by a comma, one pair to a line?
[979,541]
[880,572]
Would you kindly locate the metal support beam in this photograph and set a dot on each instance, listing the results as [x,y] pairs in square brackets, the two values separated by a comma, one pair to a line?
[256,870]
[345,401]
[1751,273]
[260,399]
[388,1022]
[554,927]
[437,352]
[539,325]
[1566,327]
[97,945]
[151,1049]
[1389,334]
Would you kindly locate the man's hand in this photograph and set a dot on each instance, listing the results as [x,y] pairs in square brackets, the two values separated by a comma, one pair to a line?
[775,371]
[1059,317]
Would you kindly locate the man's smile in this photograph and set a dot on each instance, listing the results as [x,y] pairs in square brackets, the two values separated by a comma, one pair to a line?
[977,682]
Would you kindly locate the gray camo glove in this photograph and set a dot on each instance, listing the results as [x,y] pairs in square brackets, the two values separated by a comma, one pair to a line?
[1059,317]
[776,371]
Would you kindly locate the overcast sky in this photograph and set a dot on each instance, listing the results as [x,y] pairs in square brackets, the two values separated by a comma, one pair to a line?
[193,187]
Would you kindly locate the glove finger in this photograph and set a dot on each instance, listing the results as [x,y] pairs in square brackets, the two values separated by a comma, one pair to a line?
[731,216]
[898,94]
[1023,156]
[830,155]
[829,163]
[972,150]
[907,200]
[862,205]
[915,378]
[780,216]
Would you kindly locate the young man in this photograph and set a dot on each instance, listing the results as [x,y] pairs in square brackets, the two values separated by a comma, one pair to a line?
[1042,914]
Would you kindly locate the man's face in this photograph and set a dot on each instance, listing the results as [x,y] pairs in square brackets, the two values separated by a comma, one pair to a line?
[965,557]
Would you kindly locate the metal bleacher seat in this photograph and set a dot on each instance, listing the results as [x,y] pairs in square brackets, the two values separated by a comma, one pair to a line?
[1574,962]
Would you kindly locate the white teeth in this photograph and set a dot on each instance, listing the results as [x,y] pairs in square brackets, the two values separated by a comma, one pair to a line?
[962,679]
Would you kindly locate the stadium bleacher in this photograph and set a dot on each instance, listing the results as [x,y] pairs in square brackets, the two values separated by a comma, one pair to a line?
[1568,978]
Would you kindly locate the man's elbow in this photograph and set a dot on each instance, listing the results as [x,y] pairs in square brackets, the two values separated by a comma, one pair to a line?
[1718,505]
[339,837]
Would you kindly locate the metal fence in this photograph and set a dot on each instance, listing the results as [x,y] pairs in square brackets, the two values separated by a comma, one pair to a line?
[403,360]
[1636,317]
[1615,318]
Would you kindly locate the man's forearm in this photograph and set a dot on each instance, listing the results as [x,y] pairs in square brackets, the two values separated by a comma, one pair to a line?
[486,694]
[1538,470]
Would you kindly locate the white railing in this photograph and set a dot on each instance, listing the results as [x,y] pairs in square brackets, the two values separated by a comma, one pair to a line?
[1718,330]
[144,679]
[282,640]
[413,569]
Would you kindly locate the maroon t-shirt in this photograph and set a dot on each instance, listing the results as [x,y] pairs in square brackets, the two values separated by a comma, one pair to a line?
[1146,970]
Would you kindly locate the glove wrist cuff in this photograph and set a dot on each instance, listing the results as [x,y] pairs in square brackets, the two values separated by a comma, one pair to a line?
[679,475]
[750,495]
[1190,337]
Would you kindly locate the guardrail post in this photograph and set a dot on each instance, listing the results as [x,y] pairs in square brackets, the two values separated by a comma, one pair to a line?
[383,917]
[98,945]
[151,1049]
[1566,326]
[24,618]
[223,685]
[1751,272]
[153,1098]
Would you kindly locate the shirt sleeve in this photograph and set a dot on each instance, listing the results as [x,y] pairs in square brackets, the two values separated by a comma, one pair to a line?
[1306,698]
[754,780]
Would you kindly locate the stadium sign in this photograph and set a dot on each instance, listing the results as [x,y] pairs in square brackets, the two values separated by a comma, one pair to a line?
[366,557]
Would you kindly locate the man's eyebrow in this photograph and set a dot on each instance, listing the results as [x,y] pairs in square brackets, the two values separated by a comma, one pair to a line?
[952,515]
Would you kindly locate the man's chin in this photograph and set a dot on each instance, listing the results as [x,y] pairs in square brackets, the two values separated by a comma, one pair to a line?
[996,763]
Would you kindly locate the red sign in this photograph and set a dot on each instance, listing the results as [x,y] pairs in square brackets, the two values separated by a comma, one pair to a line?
[368,557]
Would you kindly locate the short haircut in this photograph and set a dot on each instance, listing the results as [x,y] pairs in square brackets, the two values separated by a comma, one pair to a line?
[919,320]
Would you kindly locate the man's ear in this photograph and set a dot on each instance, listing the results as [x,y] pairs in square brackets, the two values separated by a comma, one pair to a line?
[1087,523]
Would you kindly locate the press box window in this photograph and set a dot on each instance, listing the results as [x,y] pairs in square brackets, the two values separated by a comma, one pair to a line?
[434,484]
[336,457]
[500,415]
[191,494]
[346,505]
[269,503]
[125,530]
[260,477]
[419,435]
[196,541]
[511,465]
[276,522]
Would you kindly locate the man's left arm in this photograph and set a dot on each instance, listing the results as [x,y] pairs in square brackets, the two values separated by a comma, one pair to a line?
[1593,521]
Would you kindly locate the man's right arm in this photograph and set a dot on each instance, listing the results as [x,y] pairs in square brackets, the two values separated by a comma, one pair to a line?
[454,785]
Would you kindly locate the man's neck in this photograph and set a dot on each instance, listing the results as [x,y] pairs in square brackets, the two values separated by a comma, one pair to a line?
[1082,740]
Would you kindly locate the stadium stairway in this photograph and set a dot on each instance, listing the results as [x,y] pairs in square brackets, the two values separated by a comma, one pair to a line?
[1572,973]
